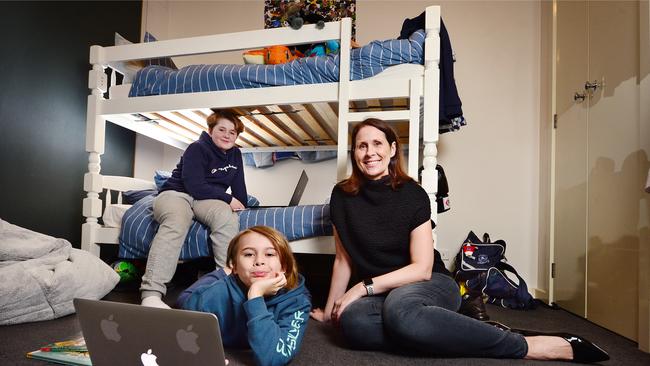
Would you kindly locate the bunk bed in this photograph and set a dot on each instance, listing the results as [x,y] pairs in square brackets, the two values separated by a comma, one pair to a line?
[310,117]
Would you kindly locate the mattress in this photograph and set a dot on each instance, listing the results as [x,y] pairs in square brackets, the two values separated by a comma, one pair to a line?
[365,62]
[139,227]
[407,71]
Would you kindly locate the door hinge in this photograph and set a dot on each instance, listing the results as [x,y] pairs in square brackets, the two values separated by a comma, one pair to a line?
[555,121]
[553,270]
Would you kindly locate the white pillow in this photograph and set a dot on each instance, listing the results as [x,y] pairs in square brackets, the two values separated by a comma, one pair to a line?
[113,215]
[126,68]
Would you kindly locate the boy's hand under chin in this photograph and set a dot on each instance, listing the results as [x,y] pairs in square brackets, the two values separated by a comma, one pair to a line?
[267,286]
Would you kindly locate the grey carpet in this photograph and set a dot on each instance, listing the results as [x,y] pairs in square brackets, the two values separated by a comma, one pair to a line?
[322,346]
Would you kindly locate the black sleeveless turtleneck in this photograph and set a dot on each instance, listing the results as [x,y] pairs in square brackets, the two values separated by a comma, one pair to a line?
[375,225]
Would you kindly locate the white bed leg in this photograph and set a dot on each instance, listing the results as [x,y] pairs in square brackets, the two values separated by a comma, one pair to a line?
[92,205]
[344,99]
[95,135]
[88,238]
[430,128]
[415,91]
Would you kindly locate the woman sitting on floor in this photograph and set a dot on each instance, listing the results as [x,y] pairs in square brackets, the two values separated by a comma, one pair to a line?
[383,234]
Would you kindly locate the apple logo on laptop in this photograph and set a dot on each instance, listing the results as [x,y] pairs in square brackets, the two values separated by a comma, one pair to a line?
[148,359]
[109,328]
[187,340]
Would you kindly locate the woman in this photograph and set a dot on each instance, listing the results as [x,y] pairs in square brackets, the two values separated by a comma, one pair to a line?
[401,299]
[197,188]
[264,304]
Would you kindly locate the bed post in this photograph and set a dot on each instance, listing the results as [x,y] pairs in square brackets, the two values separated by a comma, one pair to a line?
[431,107]
[344,99]
[95,129]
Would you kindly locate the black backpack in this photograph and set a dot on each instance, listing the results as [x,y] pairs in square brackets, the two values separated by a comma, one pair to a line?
[482,266]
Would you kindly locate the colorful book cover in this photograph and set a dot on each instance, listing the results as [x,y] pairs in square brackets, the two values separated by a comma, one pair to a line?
[62,357]
[73,345]
[71,352]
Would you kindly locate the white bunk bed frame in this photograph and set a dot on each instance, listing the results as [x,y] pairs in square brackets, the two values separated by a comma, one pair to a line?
[121,110]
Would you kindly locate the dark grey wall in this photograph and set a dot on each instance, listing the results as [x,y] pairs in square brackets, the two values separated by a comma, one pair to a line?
[43,91]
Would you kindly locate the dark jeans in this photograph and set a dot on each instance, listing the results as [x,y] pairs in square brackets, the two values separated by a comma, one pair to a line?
[423,317]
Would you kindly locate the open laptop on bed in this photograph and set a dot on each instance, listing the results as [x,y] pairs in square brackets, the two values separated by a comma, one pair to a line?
[128,334]
[297,192]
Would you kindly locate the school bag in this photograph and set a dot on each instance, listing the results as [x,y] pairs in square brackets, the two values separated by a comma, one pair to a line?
[476,256]
[482,266]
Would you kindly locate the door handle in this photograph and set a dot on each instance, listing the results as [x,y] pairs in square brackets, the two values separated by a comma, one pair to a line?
[592,87]
[579,97]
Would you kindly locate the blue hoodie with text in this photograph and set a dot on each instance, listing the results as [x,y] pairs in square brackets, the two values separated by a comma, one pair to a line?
[273,327]
[206,172]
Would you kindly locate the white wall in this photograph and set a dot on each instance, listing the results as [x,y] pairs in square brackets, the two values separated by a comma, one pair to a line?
[492,164]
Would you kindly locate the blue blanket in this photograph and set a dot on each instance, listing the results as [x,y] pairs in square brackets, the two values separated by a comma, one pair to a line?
[365,62]
[298,222]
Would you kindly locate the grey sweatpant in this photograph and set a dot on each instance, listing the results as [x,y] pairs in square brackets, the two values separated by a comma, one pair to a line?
[174,212]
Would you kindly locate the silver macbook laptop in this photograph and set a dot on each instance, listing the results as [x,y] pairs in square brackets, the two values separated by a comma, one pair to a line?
[127,334]
[297,192]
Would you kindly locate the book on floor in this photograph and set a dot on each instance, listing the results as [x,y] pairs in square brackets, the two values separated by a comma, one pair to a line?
[73,345]
[71,352]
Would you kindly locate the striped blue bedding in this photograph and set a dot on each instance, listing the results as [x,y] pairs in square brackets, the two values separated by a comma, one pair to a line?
[298,222]
[365,62]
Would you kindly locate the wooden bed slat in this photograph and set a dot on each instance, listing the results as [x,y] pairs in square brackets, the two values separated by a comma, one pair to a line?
[262,113]
[276,133]
[324,130]
[290,115]
[194,121]
[282,118]
[326,116]
[254,140]
[243,142]
[181,121]
[280,129]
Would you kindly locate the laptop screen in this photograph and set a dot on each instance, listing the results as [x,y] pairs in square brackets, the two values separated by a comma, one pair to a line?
[300,189]
[128,334]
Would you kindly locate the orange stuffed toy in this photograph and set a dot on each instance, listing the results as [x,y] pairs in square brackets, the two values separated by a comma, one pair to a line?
[271,55]
[279,55]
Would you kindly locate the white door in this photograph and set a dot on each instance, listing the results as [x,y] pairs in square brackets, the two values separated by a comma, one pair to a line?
[614,163]
[598,159]
[571,157]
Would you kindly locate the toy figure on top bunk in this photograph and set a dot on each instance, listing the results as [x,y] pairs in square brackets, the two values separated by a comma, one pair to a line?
[197,188]
[295,14]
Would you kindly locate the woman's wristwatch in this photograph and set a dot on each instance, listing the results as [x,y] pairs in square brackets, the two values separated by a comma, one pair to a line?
[368,284]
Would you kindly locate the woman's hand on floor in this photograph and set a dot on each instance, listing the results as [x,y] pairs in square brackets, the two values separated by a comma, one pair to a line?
[319,315]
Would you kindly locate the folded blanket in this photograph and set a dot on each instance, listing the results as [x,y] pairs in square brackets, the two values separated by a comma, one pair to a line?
[42,274]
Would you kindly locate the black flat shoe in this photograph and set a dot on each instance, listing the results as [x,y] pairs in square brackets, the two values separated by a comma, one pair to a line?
[473,306]
[496,324]
[583,350]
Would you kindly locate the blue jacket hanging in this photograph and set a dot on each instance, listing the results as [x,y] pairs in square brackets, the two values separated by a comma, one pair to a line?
[450,111]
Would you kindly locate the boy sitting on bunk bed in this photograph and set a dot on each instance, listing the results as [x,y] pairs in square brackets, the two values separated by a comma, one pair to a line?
[197,189]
